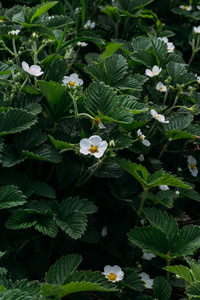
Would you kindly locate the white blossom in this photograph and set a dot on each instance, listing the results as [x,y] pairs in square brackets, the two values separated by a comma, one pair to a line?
[72,80]
[170,47]
[196,29]
[14,32]
[113,273]
[177,193]
[186,7]
[142,137]
[161,87]
[34,70]
[158,117]
[93,146]
[89,25]
[82,44]
[148,283]
[192,165]
[154,72]
[148,256]
[163,187]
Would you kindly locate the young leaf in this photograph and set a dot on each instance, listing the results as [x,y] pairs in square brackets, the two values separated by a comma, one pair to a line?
[195,267]
[161,288]
[110,49]
[58,273]
[41,9]
[51,90]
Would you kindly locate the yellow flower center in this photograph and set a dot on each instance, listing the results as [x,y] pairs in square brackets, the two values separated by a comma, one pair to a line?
[141,137]
[72,83]
[153,72]
[192,166]
[185,7]
[94,149]
[88,26]
[30,69]
[112,276]
[161,88]
[158,116]
[1,20]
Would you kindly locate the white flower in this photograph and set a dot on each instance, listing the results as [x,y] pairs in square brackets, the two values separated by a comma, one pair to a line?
[161,87]
[82,44]
[72,80]
[51,17]
[192,165]
[186,7]
[164,39]
[198,7]
[94,146]
[32,70]
[198,79]
[163,187]
[142,137]
[146,278]
[158,117]
[141,157]
[113,273]
[177,193]
[155,71]
[104,231]
[196,29]
[148,256]
[170,47]
[14,32]
[89,25]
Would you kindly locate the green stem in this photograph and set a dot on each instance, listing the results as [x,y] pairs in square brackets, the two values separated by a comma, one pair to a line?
[151,129]
[75,108]
[163,150]
[83,12]
[141,205]
[116,30]
[25,81]
[15,52]
[90,175]
[12,72]
[74,59]
[35,52]
[168,273]
[84,114]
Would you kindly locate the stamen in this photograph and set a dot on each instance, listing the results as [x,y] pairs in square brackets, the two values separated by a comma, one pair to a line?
[93,149]
[72,83]
[112,276]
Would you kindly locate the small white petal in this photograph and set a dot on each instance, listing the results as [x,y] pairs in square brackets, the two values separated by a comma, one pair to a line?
[163,187]
[104,231]
[25,66]
[95,140]
[146,142]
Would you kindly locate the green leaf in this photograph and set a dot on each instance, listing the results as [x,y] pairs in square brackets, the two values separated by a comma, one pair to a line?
[144,57]
[138,171]
[195,268]
[102,100]
[112,13]
[51,90]
[173,135]
[41,188]
[42,8]
[30,138]
[150,239]
[132,280]
[111,49]
[58,70]
[75,204]
[162,178]
[31,287]
[74,224]
[161,288]
[178,122]
[193,290]
[165,222]
[14,294]
[60,145]
[45,152]
[21,219]
[134,106]
[11,157]
[58,273]
[188,241]
[179,73]
[46,225]
[141,43]
[159,48]
[15,120]
[11,196]
[181,271]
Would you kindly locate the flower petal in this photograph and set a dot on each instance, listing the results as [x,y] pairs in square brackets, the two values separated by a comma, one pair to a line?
[25,66]
[95,140]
